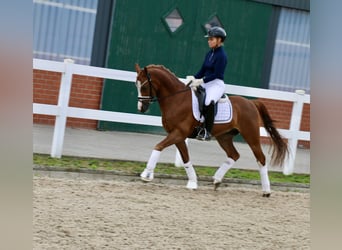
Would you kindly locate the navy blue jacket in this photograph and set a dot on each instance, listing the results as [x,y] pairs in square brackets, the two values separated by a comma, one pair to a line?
[213,66]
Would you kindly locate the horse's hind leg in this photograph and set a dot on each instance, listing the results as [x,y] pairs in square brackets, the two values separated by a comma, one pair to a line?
[226,143]
[253,140]
[189,169]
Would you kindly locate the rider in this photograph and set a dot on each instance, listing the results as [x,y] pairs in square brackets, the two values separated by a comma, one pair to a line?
[211,76]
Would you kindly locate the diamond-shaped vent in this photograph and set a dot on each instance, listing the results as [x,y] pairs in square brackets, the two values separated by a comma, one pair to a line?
[174,20]
[213,21]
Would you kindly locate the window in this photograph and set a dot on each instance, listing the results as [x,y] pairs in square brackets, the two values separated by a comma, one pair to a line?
[213,21]
[291,60]
[173,20]
[63,29]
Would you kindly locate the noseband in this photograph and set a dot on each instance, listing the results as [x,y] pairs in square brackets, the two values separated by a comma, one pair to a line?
[149,98]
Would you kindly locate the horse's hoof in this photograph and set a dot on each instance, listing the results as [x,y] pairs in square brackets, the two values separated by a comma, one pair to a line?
[191,185]
[145,179]
[216,186]
[146,176]
[266,195]
[216,183]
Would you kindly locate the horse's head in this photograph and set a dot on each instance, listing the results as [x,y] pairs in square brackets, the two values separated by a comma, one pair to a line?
[145,88]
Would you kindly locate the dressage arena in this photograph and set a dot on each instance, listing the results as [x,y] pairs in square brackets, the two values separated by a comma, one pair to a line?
[116,214]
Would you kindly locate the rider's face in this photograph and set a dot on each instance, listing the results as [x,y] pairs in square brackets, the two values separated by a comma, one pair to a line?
[214,42]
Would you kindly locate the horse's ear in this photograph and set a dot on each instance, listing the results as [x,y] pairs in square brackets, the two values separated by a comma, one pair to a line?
[137,68]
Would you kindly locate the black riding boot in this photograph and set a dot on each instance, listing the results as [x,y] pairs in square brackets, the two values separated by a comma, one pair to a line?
[209,116]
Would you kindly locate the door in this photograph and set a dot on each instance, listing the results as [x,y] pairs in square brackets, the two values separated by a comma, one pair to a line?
[171,33]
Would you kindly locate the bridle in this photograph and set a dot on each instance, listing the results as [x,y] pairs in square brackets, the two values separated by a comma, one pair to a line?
[151,97]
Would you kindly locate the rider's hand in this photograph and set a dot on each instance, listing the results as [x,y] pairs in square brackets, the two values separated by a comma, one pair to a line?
[190,78]
[195,83]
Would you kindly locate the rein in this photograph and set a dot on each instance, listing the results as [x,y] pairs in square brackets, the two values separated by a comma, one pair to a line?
[176,93]
[152,98]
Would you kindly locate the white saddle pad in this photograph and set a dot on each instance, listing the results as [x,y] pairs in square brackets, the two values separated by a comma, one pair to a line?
[224,110]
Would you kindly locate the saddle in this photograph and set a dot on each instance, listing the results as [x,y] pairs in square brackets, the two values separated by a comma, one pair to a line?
[201,94]
[223,106]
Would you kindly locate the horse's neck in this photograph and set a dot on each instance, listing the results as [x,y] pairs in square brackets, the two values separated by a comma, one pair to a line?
[171,92]
[168,83]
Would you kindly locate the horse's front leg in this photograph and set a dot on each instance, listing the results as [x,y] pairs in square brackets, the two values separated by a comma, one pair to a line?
[179,141]
[189,169]
[148,173]
[170,139]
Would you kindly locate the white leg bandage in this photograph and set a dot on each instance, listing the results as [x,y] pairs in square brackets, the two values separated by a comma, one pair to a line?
[147,174]
[190,171]
[223,169]
[265,182]
[152,162]
[192,177]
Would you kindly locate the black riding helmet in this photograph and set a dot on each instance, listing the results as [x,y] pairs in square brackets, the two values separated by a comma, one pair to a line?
[217,32]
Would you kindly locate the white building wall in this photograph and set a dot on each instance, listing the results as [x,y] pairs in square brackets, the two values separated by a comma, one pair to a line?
[291,59]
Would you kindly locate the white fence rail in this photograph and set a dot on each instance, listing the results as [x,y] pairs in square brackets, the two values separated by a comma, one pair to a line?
[62,109]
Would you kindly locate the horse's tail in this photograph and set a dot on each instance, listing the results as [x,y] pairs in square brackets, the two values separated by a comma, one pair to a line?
[279,146]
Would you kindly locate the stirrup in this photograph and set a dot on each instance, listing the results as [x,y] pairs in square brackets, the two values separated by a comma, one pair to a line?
[203,135]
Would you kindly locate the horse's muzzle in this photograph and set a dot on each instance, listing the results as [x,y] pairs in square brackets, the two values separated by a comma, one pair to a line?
[143,106]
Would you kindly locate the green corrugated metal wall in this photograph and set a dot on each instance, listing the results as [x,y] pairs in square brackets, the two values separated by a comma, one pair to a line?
[138,34]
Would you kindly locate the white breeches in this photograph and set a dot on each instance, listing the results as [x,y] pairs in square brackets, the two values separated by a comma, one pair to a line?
[214,90]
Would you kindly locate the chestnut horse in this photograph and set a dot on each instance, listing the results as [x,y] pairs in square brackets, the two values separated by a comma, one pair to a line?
[156,83]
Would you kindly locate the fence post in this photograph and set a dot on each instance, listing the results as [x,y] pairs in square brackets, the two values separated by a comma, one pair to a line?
[296,118]
[63,103]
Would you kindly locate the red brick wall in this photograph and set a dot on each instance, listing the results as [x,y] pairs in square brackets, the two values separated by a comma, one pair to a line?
[85,93]
[280,111]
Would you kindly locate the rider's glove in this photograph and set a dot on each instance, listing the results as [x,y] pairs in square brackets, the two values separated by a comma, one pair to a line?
[190,78]
[195,83]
